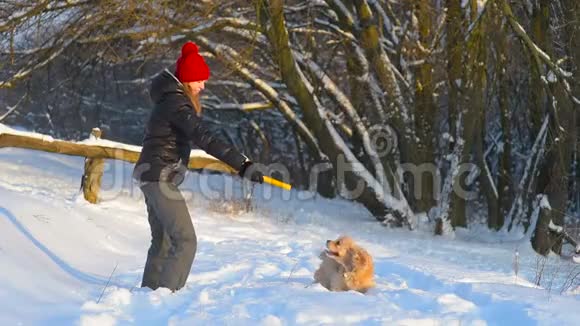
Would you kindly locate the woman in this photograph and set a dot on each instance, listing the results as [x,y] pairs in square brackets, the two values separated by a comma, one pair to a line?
[173,123]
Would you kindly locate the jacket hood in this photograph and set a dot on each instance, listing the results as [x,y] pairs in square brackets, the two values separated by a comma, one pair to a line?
[164,83]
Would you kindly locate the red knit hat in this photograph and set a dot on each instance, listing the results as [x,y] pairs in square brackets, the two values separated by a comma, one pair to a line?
[190,65]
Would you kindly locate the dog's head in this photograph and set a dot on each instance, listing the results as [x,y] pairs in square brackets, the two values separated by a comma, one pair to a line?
[346,251]
[340,246]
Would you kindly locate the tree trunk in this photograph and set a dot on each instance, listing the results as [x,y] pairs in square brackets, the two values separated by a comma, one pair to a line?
[455,51]
[520,208]
[367,101]
[504,185]
[344,162]
[540,35]
[571,9]
[539,102]
[425,109]
[542,239]
[486,179]
[456,80]
[560,157]
[473,111]
[504,189]
[396,109]
[554,180]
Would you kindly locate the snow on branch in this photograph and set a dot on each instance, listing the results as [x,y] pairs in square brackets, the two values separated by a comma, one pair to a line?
[343,13]
[518,209]
[490,179]
[477,23]
[382,204]
[399,209]
[534,49]
[384,68]
[387,74]
[555,228]
[335,28]
[13,108]
[230,57]
[25,72]
[386,21]
[537,207]
[346,106]
[18,16]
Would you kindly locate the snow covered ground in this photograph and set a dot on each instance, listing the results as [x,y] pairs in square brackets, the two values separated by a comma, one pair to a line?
[58,252]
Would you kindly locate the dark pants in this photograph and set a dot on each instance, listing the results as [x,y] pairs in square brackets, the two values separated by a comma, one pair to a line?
[173,243]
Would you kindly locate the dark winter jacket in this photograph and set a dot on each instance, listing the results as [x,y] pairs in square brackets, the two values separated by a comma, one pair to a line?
[171,126]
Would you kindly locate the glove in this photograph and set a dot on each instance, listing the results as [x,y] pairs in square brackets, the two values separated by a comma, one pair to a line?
[251,173]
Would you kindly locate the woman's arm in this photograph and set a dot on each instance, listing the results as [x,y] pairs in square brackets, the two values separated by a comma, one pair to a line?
[184,119]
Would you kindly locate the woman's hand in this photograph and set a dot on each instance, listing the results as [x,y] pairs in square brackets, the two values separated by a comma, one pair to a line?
[250,172]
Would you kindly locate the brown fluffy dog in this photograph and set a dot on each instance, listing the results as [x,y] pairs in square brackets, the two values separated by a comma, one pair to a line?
[345,266]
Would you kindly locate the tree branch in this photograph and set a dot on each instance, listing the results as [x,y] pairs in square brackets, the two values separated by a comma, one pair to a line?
[229,56]
[534,49]
[13,108]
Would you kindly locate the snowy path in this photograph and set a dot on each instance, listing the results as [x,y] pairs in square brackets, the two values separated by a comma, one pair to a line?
[57,253]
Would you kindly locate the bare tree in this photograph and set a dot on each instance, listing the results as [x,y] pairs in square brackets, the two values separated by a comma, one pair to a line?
[309,83]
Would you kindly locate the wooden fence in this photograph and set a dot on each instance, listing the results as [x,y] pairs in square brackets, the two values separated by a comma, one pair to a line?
[95,155]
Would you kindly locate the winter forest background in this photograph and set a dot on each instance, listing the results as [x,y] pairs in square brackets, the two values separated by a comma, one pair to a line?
[404,94]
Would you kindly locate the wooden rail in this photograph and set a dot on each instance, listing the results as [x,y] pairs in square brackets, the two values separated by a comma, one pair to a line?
[95,154]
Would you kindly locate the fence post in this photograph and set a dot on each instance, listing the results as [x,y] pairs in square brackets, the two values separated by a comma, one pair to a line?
[91,180]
